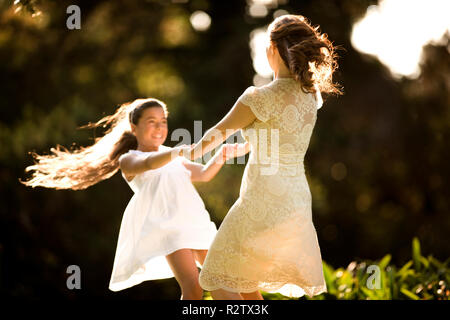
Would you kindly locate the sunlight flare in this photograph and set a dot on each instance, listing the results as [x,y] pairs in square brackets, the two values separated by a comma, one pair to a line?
[395,31]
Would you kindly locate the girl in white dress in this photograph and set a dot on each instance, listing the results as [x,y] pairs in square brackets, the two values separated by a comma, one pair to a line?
[165,229]
[268,241]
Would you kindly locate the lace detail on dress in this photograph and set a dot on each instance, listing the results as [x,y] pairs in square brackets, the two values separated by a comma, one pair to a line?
[267,241]
[257,249]
[258,101]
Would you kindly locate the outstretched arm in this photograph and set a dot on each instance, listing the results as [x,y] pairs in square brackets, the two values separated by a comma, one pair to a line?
[200,172]
[238,117]
[132,164]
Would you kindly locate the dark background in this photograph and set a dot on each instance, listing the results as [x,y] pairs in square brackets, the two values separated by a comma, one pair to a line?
[377,164]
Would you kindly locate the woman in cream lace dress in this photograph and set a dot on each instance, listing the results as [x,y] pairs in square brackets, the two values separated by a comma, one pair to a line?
[267,240]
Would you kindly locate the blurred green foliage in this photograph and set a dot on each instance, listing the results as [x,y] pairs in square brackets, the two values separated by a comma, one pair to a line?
[422,278]
[377,164]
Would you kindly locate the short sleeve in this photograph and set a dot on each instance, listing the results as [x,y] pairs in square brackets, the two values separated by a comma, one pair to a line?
[257,100]
[123,155]
[128,153]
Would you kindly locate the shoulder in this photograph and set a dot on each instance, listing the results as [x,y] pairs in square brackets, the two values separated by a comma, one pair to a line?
[132,157]
[256,95]
[127,159]
[127,155]
[123,161]
[258,99]
[250,91]
[255,92]
[134,153]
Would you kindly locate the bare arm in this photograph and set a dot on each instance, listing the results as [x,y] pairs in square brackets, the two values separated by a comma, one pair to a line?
[238,117]
[132,164]
[204,173]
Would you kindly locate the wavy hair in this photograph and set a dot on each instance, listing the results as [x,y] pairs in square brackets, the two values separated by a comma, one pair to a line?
[307,53]
[86,166]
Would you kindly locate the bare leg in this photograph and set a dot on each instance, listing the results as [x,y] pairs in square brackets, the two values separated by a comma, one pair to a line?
[222,294]
[200,255]
[255,295]
[219,294]
[183,266]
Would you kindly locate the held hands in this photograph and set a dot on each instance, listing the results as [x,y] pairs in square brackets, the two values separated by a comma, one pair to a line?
[187,151]
[183,151]
[228,150]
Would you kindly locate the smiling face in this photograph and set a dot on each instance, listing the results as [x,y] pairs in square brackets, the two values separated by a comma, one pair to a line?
[151,129]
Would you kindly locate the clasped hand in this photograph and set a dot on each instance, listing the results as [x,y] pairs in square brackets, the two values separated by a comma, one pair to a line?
[225,152]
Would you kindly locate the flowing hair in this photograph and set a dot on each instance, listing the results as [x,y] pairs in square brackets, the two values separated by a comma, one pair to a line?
[86,166]
[307,53]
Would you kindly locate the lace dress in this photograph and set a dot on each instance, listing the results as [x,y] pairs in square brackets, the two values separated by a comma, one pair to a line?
[267,241]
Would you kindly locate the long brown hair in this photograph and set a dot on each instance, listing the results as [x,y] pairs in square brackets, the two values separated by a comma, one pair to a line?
[307,53]
[86,166]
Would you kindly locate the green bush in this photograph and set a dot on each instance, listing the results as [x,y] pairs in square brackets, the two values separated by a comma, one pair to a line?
[420,278]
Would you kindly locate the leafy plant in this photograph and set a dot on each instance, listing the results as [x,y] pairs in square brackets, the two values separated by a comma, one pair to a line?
[422,278]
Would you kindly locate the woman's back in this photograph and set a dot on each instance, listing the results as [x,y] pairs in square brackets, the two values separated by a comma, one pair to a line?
[286,116]
[267,240]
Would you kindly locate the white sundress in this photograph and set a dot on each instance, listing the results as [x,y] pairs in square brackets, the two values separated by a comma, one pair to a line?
[165,214]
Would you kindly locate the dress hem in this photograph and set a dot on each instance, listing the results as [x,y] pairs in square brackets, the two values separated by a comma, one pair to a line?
[126,277]
[316,290]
